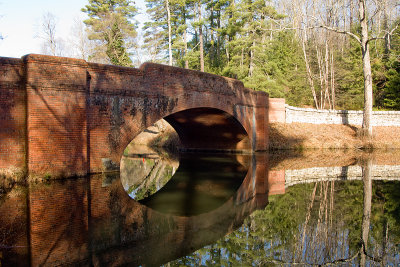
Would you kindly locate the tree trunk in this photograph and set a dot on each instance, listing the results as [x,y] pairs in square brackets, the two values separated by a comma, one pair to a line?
[227,40]
[366,219]
[333,81]
[201,39]
[351,14]
[251,67]
[386,28]
[186,49]
[308,69]
[169,32]
[367,116]
[218,37]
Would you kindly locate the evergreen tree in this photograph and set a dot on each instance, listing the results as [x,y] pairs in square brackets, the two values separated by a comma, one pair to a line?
[181,45]
[111,24]
[161,31]
[215,43]
[392,90]
[249,40]
[391,94]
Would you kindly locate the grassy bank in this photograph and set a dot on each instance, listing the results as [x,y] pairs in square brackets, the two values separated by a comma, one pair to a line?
[300,136]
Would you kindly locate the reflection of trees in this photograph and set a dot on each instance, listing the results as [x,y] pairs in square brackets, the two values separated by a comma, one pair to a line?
[366,219]
[325,223]
[143,177]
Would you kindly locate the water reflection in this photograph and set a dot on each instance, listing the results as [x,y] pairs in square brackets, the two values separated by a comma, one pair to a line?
[144,173]
[201,182]
[348,219]
[316,215]
[93,221]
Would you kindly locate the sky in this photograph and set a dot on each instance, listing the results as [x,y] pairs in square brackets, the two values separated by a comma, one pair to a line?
[20,20]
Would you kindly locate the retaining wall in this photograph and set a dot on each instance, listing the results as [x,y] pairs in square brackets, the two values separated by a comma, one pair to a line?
[280,112]
[354,172]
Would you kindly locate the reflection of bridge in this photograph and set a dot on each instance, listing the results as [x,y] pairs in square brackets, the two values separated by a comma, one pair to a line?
[83,222]
[61,116]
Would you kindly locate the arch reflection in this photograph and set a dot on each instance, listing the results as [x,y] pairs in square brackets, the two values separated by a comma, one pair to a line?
[140,235]
[94,222]
[146,171]
[200,184]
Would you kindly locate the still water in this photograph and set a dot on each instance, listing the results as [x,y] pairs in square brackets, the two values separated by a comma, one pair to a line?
[210,210]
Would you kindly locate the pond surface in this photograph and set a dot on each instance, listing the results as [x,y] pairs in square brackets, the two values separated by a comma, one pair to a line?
[210,209]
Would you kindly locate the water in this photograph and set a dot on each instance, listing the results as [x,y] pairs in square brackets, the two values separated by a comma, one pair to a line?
[204,209]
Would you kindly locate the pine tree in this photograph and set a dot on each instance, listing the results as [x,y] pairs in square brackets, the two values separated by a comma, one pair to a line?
[392,86]
[183,16]
[162,30]
[111,24]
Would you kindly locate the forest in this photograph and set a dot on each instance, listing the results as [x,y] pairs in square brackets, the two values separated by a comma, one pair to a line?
[307,52]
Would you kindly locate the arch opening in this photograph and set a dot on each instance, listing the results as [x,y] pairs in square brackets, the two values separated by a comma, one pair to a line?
[146,166]
[209,129]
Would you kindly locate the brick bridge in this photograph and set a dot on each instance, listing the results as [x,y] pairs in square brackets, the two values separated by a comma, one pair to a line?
[61,116]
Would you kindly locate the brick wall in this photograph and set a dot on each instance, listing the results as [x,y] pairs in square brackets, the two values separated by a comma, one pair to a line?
[56,108]
[12,116]
[276,110]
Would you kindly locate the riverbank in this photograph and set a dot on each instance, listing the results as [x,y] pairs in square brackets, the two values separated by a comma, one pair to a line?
[299,136]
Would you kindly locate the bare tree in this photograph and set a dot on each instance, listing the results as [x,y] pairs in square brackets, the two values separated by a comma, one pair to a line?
[51,44]
[79,41]
[364,40]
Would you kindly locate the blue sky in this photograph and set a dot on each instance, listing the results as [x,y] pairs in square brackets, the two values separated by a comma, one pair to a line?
[20,19]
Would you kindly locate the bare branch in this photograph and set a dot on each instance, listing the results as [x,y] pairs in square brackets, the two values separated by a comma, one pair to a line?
[386,35]
[323,27]
[339,31]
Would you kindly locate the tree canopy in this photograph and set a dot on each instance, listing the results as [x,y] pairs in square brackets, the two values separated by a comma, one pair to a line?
[111,24]
[281,47]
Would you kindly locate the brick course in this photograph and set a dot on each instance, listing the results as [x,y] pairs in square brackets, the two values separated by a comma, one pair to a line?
[12,116]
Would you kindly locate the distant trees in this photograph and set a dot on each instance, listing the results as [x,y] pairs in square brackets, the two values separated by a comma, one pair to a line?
[280,46]
[364,41]
[309,52]
[111,24]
